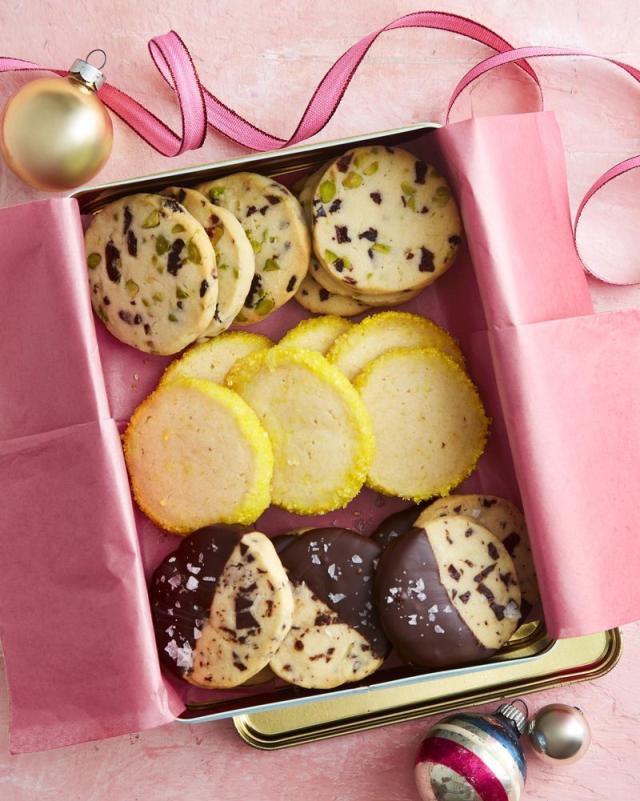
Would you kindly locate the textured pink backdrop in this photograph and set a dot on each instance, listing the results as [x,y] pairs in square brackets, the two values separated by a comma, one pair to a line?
[265,59]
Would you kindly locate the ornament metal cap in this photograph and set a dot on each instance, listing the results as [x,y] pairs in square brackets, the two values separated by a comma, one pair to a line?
[83,71]
[517,716]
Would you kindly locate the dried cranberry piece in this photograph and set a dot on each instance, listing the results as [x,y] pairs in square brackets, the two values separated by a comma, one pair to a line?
[371,234]
[128,219]
[455,240]
[343,163]
[254,292]
[376,197]
[324,295]
[421,172]
[273,199]
[203,287]
[292,283]
[174,262]
[132,243]
[342,234]
[426,261]
[335,206]
[112,259]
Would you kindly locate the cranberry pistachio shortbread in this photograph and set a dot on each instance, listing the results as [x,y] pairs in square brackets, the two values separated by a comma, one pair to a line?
[429,424]
[380,332]
[234,255]
[506,521]
[385,220]
[221,606]
[318,426]
[316,333]
[274,224]
[447,593]
[152,273]
[213,359]
[335,635]
[318,300]
[197,455]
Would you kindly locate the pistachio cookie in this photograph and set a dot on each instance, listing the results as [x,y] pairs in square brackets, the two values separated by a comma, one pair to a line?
[447,593]
[221,605]
[152,273]
[234,255]
[274,224]
[335,635]
[385,220]
[318,300]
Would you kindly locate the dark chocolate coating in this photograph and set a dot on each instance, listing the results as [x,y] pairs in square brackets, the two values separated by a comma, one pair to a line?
[338,566]
[182,588]
[411,601]
[397,524]
[282,541]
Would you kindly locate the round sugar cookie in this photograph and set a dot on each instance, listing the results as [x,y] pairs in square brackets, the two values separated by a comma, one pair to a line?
[274,224]
[317,300]
[197,455]
[506,521]
[447,594]
[380,332]
[335,634]
[385,219]
[212,360]
[221,605]
[152,273]
[318,426]
[316,333]
[234,255]
[429,425]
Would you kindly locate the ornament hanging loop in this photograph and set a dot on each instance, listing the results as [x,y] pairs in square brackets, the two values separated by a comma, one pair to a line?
[86,73]
[104,57]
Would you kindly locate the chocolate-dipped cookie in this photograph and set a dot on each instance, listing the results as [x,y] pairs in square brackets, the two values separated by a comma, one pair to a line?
[221,606]
[447,593]
[335,635]
[397,524]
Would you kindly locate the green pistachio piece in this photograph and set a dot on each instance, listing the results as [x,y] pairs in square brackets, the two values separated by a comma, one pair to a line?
[162,244]
[273,239]
[153,219]
[181,294]
[222,266]
[257,246]
[146,302]
[407,188]
[270,265]
[158,297]
[352,180]
[371,169]
[216,192]
[380,248]
[358,160]
[441,196]
[173,318]
[154,259]
[327,191]
[265,305]
[241,318]
[177,229]
[93,260]
[236,272]
[194,253]
[160,269]
[411,203]
[330,256]
[132,288]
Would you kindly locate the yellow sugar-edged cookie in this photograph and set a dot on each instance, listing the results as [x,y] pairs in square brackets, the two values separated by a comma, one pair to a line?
[213,359]
[319,428]
[429,424]
[380,332]
[316,333]
[197,455]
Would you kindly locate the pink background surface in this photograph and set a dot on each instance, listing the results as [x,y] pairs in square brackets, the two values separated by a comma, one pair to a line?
[265,63]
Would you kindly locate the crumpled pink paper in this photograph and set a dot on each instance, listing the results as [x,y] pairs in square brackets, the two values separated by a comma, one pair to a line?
[557,380]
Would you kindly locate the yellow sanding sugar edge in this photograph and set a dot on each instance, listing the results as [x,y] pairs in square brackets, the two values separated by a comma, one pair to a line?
[363,377]
[329,321]
[220,341]
[247,367]
[257,499]
[362,329]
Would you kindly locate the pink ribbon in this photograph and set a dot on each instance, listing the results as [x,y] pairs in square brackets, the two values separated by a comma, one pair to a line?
[199,107]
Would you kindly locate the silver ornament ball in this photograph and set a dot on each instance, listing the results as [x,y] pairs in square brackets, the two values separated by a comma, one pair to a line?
[559,733]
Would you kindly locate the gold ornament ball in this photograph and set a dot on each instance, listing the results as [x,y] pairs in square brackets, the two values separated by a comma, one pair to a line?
[55,133]
[559,733]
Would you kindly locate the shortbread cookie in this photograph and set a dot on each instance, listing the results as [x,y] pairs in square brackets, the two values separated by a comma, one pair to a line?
[396,525]
[335,636]
[273,222]
[385,219]
[307,191]
[429,424]
[392,299]
[314,298]
[197,455]
[447,594]
[152,273]
[221,606]
[506,521]
[380,332]
[234,255]
[213,359]
[327,281]
[318,426]
[316,333]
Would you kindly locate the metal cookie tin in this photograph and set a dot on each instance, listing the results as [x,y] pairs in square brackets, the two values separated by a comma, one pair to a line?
[277,716]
